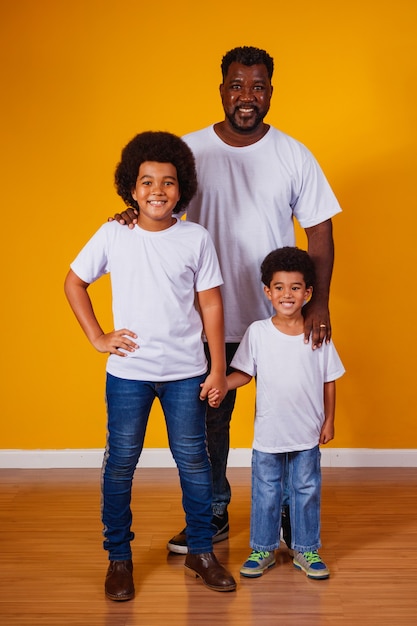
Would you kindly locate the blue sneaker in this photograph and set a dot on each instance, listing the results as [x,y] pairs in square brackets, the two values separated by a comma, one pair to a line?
[257,563]
[311,564]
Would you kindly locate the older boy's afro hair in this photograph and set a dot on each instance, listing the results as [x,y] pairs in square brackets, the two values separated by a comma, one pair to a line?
[161,147]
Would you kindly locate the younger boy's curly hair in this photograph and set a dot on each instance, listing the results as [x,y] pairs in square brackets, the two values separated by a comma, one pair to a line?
[288,259]
[160,147]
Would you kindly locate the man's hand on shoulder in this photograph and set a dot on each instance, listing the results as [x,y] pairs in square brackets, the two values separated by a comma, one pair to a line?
[127,218]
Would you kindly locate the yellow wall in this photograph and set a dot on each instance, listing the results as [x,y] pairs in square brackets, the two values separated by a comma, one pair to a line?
[81,77]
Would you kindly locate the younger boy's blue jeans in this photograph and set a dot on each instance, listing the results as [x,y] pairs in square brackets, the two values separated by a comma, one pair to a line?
[128,406]
[304,491]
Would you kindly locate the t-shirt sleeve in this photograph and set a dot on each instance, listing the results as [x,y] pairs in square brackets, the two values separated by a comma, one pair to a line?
[92,261]
[333,367]
[208,273]
[316,201]
[244,359]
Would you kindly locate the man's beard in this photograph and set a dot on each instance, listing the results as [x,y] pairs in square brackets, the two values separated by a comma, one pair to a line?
[245,129]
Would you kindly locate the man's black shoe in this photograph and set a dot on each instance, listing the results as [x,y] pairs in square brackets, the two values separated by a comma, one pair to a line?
[220,523]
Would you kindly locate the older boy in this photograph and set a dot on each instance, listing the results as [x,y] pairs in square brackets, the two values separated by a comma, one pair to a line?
[158,270]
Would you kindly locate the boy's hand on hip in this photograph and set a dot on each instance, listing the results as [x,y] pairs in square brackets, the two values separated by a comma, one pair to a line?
[116,341]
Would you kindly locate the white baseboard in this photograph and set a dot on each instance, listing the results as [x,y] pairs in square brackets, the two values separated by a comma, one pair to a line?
[238,457]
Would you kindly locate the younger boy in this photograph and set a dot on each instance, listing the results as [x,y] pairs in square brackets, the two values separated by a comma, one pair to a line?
[159,270]
[295,404]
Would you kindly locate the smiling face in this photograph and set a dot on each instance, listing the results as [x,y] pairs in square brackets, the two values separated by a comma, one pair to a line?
[246,96]
[157,192]
[288,293]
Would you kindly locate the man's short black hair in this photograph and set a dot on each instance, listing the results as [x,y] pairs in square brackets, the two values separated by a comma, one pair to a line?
[160,147]
[247,55]
[288,259]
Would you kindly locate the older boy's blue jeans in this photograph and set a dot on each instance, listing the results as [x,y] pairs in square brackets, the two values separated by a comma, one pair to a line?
[128,405]
[304,490]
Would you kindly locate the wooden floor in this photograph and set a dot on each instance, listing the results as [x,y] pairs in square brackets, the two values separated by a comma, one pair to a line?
[52,565]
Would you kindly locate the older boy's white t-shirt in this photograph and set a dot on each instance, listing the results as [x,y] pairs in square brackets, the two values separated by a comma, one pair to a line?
[290,378]
[154,278]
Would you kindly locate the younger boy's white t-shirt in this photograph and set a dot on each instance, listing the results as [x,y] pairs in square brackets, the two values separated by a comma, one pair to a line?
[154,278]
[290,379]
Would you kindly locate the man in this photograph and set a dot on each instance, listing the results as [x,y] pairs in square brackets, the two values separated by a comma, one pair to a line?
[252,181]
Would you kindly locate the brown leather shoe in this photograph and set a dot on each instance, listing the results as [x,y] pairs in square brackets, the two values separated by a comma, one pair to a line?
[119,581]
[211,572]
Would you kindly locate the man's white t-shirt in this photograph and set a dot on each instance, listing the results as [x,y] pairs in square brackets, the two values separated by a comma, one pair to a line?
[247,199]
[154,277]
[290,379]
